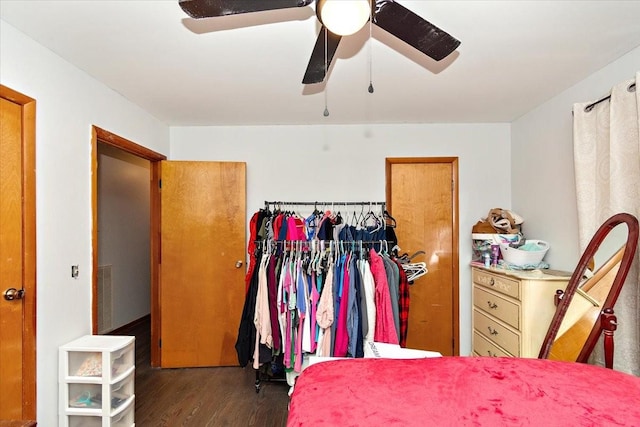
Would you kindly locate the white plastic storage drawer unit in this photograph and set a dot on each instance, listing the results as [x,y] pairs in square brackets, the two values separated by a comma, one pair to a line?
[97,376]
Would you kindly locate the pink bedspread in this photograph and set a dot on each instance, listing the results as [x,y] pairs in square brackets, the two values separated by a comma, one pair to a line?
[463,391]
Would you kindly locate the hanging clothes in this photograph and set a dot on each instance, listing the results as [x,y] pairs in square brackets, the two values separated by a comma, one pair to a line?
[316,286]
[403,304]
[369,301]
[385,330]
[393,277]
[245,342]
[254,239]
[325,314]
[354,315]
[342,297]
[272,290]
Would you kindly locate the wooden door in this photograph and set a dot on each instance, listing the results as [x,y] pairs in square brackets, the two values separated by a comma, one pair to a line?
[17,256]
[422,197]
[202,288]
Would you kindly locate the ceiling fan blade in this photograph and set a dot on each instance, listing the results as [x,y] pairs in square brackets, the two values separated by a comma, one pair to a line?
[317,67]
[210,8]
[414,30]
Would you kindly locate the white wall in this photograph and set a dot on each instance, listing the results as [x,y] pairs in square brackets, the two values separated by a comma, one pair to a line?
[543,184]
[124,231]
[347,163]
[68,102]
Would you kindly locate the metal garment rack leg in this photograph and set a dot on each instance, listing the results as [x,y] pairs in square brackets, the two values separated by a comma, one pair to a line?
[258,382]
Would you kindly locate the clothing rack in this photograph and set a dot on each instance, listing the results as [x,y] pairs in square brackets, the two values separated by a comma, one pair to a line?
[377,209]
[324,203]
[330,245]
[308,252]
[334,203]
[325,242]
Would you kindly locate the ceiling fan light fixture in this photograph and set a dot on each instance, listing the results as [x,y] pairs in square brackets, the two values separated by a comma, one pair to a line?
[343,17]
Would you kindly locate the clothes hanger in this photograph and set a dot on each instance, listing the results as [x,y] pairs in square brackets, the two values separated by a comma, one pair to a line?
[321,257]
[363,219]
[360,219]
[315,254]
[405,258]
[346,215]
[370,215]
[388,217]
[415,270]
[380,222]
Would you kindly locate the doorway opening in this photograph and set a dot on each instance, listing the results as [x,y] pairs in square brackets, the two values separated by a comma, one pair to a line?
[124,268]
[120,151]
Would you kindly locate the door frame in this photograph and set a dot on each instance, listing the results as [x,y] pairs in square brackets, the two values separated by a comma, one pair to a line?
[29,316]
[106,137]
[455,256]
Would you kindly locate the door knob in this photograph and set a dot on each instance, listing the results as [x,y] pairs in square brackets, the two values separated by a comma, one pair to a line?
[238,264]
[13,293]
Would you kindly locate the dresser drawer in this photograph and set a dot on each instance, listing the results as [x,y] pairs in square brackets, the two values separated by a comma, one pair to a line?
[497,283]
[484,347]
[497,306]
[496,332]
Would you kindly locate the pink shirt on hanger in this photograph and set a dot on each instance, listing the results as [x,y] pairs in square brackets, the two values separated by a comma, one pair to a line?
[385,326]
[341,345]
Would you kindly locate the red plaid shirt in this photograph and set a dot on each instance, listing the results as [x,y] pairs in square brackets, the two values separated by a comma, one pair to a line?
[403,305]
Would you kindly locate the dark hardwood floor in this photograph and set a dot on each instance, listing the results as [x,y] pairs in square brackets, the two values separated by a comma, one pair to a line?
[201,396]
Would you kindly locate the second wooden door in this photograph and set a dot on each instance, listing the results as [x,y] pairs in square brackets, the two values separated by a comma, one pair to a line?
[422,197]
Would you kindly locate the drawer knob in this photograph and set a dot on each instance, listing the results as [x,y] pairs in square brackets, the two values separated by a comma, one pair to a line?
[492,282]
[491,354]
[492,331]
[492,305]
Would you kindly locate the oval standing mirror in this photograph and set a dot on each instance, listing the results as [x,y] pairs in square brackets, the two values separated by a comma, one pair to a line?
[592,292]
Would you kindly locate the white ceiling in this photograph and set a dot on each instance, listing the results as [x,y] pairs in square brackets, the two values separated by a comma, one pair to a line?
[247,69]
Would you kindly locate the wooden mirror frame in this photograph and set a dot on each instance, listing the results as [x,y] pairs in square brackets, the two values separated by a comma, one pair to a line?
[576,280]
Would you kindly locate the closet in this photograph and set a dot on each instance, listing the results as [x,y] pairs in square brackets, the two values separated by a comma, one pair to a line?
[324,279]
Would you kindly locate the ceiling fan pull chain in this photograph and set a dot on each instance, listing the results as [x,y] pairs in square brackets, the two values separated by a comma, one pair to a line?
[326,84]
[370,54]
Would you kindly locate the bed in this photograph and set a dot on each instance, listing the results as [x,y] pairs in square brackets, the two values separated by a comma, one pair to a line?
[460,391]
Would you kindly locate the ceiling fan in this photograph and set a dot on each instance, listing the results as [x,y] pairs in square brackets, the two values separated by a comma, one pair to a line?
[386,14]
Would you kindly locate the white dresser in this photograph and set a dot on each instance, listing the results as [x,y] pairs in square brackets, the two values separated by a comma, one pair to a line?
[512,310]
